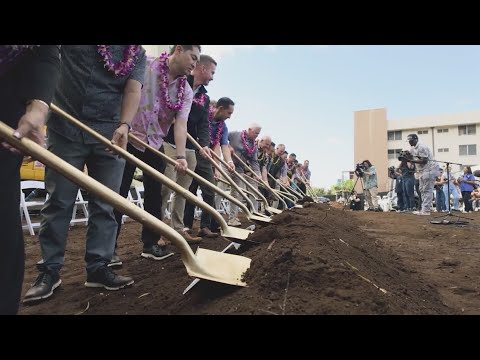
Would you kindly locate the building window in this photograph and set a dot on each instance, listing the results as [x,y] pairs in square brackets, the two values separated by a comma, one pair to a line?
[442,130]
[394,135]
[393,153]
[467,130]
[444,150]
[421,132]
[465,150]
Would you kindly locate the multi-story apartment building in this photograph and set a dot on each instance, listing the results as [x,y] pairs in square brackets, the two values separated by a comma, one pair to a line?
[451,137]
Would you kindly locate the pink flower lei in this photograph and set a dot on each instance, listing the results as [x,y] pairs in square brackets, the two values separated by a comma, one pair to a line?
[162,68]
[216,139]
[200,99]
[249,150]
[124,66]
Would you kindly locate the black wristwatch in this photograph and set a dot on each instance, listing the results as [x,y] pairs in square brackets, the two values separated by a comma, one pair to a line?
[179,157]
[123,122]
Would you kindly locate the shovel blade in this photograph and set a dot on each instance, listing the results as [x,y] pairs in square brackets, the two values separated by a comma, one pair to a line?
[259,218]
[220,267]
[236,233]
[273,210]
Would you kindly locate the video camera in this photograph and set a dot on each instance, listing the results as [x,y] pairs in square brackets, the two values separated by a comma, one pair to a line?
[391,172]
[405,155]
[359,169]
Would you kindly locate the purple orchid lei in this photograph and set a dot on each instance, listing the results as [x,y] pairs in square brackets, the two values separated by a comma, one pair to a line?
[162,68]
[250,150]
[200,100]
[216,140]
[124,66]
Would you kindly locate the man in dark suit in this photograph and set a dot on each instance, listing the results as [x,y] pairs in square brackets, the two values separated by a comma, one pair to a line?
[28,77]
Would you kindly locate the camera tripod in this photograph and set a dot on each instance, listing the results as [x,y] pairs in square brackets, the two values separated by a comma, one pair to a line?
[444,221]
[353,189]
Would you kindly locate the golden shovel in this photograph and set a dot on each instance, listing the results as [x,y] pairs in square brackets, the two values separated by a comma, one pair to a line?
[276,193]
[287,193]
[251,187]
[266,186]
[227,231]
[201,180]
[224,174]
[205,264]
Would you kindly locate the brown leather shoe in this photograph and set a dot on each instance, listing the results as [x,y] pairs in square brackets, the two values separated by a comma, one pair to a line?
[206,232]
[191,239]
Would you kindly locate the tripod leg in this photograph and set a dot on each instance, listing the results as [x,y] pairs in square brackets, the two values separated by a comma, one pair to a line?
[351,193]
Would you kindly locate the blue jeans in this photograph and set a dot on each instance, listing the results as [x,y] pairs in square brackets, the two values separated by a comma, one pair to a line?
[440,200]
[408,183]
[454,192]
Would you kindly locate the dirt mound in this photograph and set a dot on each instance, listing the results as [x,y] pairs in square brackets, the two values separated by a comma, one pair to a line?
[315,260]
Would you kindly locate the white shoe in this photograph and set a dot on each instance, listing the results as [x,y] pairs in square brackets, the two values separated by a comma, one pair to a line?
[234,222]
[422,213]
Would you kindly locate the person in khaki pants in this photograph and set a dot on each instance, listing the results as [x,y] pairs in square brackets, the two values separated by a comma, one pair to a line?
[371,185]
[197,127]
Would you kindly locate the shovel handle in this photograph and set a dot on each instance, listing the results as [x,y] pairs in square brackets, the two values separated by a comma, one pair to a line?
[250,186]
[223,172]
[258,181]
[145,167]
[191,173]
[98,189]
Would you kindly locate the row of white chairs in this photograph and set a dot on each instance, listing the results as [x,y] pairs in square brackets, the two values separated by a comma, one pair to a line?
[80,210]
[81,205]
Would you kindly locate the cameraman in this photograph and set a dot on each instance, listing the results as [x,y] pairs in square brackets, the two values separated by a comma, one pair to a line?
[355,202]
[371,185]
[407,168]
[427,172]
[396,175]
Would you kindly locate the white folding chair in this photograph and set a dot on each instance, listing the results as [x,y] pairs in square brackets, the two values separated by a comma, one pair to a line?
[168,209]
[132,200]
[26,205]
[197,214]
[139,190]
[80,202]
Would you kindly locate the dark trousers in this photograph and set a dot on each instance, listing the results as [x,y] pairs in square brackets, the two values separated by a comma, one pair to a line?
[466,200]
[152,201]
[204,169]
[12,253]
[400,201]
[302,187]
[408,184]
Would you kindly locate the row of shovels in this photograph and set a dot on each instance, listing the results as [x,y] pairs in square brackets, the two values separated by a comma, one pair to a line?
[204,264]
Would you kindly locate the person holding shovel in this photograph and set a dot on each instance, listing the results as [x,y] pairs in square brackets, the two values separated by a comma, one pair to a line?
[28,76]
[244,145]
[197,127]
[99,84]
[166,99]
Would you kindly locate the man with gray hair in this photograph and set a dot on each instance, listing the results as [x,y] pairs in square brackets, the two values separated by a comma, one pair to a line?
[244,145]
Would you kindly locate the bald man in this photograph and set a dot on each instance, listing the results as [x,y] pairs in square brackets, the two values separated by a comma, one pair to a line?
[244,145]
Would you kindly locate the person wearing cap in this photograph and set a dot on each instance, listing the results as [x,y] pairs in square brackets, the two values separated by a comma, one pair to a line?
[427,172]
